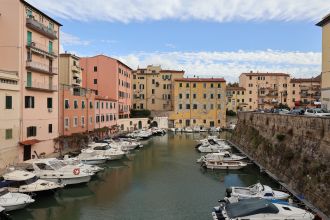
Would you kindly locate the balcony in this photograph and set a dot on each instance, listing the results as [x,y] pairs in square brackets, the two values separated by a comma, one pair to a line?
[76,82]
[41,49]
[41,28]
[41,68]
[41,86]
[75,68]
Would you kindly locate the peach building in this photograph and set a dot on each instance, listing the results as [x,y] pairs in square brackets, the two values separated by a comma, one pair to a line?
[264,90]
[111,79]
[76,104]
[106,112]
[236,99]
[29,46]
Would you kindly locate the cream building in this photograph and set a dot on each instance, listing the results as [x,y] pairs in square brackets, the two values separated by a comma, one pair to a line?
[325,87]
[236,99]
[29,46]
[153,88]
[71,72]
[264,90]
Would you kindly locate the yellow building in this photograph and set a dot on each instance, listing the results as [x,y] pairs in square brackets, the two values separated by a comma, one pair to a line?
[304,92]
[153,88]
[199,102]
[236,99]
[264,90]
[325,87]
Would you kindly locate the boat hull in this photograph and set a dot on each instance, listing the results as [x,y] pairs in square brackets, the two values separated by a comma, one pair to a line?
[94,162]
[70,181]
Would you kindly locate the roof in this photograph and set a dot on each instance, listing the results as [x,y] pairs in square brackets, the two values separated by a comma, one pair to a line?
[104,98]
[325,20]
[172,71]
[102,55]
[265,74]
[45,15]
[201,80]
[235,88]
[69,55]
[161,71]
[301,80]
[30,142]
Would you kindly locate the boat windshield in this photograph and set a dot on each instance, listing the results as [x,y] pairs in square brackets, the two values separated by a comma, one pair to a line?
[56,164]
[104,147]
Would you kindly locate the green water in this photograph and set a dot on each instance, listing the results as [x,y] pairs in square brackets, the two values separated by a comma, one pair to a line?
[160,181]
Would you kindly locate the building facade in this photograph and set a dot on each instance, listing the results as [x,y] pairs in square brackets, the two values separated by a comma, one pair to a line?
[30,47]
[153,88]
[110,79]
[304,92]
[106,112]
[199,102]
[264,90]
[325,87]
[236,99]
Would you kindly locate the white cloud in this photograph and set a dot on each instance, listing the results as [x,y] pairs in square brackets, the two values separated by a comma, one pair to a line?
[69,39]
[231,64]
[212,10]
[169,45]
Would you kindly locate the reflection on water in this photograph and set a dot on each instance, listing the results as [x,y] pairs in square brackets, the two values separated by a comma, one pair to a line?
[160,181]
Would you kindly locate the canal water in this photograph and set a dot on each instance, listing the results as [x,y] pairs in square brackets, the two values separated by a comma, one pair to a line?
[160,181]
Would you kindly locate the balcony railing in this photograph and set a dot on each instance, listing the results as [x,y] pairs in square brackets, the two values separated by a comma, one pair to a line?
[41,68]
[42,49]
[76,82]
[76,68]
[41,28]
[41,86]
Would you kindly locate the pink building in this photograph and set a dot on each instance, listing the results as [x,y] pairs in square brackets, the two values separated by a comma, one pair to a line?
[106,112]
[111,79]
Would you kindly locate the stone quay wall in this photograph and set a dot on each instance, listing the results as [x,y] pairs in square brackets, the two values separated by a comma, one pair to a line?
[294,148]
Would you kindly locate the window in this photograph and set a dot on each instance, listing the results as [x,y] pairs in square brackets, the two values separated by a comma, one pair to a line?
[153,81]
[66,104]
[153,101]
[82,120]
[211,106]
[293,99]
[75,122]
[293,92]
[90,104]
[204,96]
[31,131]
[233,92]
[49,102]
[250,92]
[250,77]
[293,85]
[219,106]
[180,106]
[29,101]
[95,68]
[204,85]
[102,118]
[153,91]
[211,85]
[9,102]
[180,84]
[91,119]
[219,85]
[82,104]
[250,100]
[66,122]
[204,106]
[211,96]
[195,106]
[238,92]
[242,92]
[242,100]
[75,104]
[194,96]
[180,96]
[9,134]
[97,105]
[219,96]
[50,128]
[107,118]
[194,121]
[95,81]
[187,96]
[187,106]
[29,37]
[180,121]
[102,105]
[187,85]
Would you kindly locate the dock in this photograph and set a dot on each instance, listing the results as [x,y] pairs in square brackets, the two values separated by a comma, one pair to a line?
[306,203]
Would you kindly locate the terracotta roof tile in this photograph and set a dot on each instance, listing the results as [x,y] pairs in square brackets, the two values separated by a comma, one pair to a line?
[201,80]
[265,74]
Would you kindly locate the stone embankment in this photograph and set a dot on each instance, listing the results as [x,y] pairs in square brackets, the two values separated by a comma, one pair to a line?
[294,148]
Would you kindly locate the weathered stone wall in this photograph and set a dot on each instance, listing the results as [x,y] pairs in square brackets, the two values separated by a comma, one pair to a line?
[295,148]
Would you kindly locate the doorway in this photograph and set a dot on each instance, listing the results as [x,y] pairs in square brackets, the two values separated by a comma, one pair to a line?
[211,123]
[27,152]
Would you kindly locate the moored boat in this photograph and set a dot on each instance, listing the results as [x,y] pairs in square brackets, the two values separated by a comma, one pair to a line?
[222,165]
[220,156]
[13,201]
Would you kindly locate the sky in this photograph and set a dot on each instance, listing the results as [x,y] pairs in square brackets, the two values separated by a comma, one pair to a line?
[208,38]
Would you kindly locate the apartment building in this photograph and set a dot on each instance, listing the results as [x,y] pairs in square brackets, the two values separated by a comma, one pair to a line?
[9,117]
[76,104]
[264,90]
[236,99]
[153,88]
[199,102]
[111,80]
[304,92]
[106,112]
[30,47]
[325,86]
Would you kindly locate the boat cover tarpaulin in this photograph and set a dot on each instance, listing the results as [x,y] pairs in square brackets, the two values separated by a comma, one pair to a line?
[247,207]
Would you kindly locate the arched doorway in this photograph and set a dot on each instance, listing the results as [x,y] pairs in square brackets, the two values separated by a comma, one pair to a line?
[140,124]
[154,124]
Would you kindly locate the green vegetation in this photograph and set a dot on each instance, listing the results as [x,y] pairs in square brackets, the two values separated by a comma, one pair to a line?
[230,113]
[280,137]
[140,113]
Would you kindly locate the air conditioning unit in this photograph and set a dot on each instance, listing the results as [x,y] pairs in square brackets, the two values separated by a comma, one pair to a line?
[50,110]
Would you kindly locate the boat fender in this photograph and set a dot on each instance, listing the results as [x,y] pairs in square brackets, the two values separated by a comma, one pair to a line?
[76,171]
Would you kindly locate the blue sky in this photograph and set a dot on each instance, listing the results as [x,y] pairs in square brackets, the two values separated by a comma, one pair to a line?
[207,38]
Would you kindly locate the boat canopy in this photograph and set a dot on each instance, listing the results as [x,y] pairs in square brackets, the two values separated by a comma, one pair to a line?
[249,207]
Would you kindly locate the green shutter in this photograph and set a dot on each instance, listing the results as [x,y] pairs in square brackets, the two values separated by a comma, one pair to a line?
[29,79]
[50,47]
[9,134]
[29,38]
[9,102]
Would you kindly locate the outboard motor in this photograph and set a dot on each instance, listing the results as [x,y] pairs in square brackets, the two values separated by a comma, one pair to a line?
[228,192]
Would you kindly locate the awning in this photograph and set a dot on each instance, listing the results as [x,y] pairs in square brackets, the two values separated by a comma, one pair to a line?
[29,142]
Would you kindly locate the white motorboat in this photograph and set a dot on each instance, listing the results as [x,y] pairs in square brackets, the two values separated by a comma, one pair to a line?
[142,134]
[125,144]
[196,129]
[222,165]
[91,157]
[212,148]
[13,201]
[259,209]
[111,153]
[58,171]
[27,182]
[220,156]
[215,129]
[188,130]
[257,190]
[76,162]
[158,131]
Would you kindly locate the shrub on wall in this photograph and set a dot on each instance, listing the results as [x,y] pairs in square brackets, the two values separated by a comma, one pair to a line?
[230,113]
[144,113]
[280,137]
